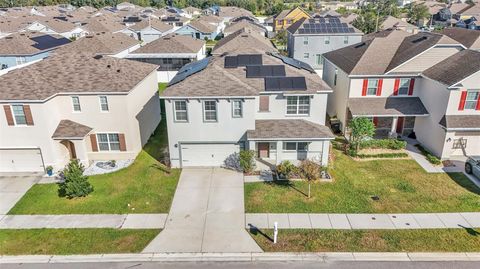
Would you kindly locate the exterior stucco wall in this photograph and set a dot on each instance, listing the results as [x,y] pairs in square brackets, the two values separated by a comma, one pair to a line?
[427,59]
[338,100]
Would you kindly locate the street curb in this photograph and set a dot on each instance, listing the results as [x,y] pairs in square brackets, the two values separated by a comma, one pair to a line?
[246,257]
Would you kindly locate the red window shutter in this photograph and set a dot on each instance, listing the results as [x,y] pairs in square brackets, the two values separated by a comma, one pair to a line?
[8,115]
[93,140]
[396,86]
[379,87]
[264,103]
[28,114]
[375,121]
[364,89]
[478,103]
[123,146]
[410,88]
[463,97]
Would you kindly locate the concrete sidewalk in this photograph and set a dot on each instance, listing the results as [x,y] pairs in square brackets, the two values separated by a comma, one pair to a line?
[365,221]
[125,221]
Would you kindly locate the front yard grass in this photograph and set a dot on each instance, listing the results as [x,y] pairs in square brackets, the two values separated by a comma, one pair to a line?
[73,241]
[402,186]
[143,187]
[435,240]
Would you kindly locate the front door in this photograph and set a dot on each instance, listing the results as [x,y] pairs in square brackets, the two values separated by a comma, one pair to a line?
[263,150]
[400,123]
[71,149]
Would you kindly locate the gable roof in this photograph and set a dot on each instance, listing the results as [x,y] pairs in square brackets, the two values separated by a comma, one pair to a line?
[284,13]
[244,24]
[202,26]
[468,38]
[455,68]
[102,43]
[233,11]
[68,129]
[154,23]
[243,40]
[391,21]
[322,25]
[29,43]
[172,43]
[73,73]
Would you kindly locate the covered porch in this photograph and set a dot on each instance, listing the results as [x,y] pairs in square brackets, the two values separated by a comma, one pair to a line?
[71,136]
[392,117]
[275,141]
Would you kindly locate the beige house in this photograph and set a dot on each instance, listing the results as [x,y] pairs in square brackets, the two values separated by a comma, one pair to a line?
[76,106]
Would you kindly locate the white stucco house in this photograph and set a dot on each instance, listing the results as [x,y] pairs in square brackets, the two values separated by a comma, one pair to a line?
[79,106]
[57,26]
[246,99]
[148,30]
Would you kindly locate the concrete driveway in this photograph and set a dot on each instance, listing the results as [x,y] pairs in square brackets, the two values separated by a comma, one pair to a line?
[13,187]
[207,215]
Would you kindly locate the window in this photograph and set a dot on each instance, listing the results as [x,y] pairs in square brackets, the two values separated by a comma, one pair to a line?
[180,110]
[319,59]
[372,87]
[21,60]
[237,108]
[403,86]
[295,146]
[298,105]
[210,110]
[305,40]
[327,40]
[76,104]
[345,40]
[335,77]
[103,103]
[472,99]
[19,115]
[306,55]
[108,142]
[460,143]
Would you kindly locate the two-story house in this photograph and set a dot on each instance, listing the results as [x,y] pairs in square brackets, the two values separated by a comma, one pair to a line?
[170,53]
[148,30]
[76,106]
[285,18]
[309,39]
[249,99]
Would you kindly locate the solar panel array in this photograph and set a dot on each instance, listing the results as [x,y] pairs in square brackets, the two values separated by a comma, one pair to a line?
[189,69]
[243,60]
[325,25]
[273,84]
[292,62]
[261,71]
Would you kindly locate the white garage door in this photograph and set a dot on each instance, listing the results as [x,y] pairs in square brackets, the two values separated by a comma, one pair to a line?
[207,154]
[21,160]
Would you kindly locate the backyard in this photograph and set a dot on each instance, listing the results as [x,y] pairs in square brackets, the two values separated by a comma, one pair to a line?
[401,186]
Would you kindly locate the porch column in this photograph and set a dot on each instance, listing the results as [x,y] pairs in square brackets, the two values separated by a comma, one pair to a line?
[279,158]
[251,145]
[393,130]
[325,152]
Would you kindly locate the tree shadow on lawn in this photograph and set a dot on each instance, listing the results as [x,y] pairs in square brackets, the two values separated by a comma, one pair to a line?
[287,184]
[463,181]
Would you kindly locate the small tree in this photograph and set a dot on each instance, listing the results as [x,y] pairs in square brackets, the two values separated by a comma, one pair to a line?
[76,184]
[247,160]
[361,128]
[310,170]
[417,12]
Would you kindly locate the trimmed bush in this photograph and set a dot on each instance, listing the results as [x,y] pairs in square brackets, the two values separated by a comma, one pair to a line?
[429,156]
[76,183]
[287,169]
[393,144]
[247,160]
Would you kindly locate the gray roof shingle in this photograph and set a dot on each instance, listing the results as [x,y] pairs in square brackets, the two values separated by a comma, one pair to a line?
[455,68]
[460,122]
[393,106]
[289,129]
[68,129]
[172,43]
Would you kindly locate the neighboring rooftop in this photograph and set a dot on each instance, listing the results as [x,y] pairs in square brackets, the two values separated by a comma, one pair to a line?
[28,43]
[455,68]
[462,122]
[102,43]
[244,24]
[202,26]
[232,11]
[391,22]
[243,40]
[172,43]
[467,37]
[75,73]
[154,23]
[322,26]
[398,106]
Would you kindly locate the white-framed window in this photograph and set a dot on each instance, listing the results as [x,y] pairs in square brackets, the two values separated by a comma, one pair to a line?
[210,110]
[19,115]
[108,142]
[295,146]
[403,86]
[306,55]
[372,87]
[345,39]
[237,108]
[20,60]
[103,103]
[305,40]
[76,104]
[327,40]
[319,59]
[298,105]
[472,99]
[180,110]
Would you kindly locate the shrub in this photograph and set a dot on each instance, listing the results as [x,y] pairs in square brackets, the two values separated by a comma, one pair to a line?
[394,144]
[76,184]
[361,129]
[429,156]
[247,160]
[287,169]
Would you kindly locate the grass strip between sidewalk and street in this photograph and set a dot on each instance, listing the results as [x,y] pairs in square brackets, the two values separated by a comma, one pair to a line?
[74,241]
[434,240]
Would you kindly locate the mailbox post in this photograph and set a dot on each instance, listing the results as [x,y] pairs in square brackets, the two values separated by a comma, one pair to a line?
[275,232]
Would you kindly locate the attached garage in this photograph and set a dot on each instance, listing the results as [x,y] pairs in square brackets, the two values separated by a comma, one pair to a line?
[21,160]
[195,155]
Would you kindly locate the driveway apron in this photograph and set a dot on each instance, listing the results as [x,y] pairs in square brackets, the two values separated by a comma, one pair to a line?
[13,187]
[207,215]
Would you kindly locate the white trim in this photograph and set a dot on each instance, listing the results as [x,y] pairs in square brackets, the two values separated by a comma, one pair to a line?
[15,119]
[73,104]
[175,110]
[108,141]
[216,110]
[106,103]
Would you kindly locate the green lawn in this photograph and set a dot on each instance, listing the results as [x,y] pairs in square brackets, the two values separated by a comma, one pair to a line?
[435,240]
[402,185]
[73,241]
[146,185]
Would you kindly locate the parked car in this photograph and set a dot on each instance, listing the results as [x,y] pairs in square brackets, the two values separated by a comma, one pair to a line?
[472,166]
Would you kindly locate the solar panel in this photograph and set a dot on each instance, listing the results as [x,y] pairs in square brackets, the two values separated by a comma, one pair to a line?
[249,59]
[285,84]
[295,63]
[261,71]
[189,69]
[231,62]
